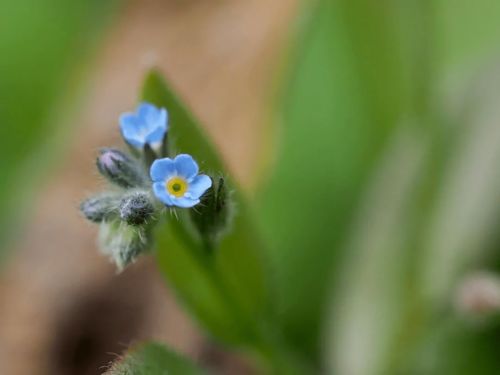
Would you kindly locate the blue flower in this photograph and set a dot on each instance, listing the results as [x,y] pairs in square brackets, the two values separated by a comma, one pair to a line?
[147,126]
[176,182]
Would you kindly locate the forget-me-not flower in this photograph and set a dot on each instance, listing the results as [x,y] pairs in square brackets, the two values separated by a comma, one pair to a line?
[176,182]
[147,125]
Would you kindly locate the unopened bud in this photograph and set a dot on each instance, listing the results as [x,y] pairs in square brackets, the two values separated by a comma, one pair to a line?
[121,242]
[213,214]
[136,208]
[479,294]
[120,169]
[99,208]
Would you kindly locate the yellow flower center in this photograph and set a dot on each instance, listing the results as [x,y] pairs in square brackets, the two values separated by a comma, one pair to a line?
[177,186]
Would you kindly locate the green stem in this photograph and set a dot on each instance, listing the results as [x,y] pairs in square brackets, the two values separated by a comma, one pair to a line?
[264,338]
[261,335]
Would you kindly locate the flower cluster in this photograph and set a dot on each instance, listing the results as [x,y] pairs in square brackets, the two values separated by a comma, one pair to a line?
[147,180]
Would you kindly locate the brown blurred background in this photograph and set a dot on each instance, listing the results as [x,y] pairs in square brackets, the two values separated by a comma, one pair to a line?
[64,309]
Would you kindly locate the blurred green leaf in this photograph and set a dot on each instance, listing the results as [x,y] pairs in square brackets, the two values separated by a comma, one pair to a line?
[153,359]
[456,346]
[351,86]
[462,225]
[375,306]
[421,228]
[43,44]
[466,34]
[236,274]
[462,236]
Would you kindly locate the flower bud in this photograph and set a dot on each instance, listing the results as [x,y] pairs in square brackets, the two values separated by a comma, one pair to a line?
[478,294]
[121,242]
[99,208]
[120,169]
[212,215]
[136,208]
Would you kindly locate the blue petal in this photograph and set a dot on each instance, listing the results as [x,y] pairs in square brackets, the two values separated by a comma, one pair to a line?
[186,166]
[147,111]
[161,193]
[147,125]
[163,118]
[199,186]
[184,202]
[152,118]
[130,130]
[162,169]
[156,136]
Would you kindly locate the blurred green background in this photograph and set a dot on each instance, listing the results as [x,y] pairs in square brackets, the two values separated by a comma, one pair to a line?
[365,136]
[46,45]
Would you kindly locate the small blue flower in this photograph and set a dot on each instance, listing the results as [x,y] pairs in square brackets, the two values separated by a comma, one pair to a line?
[147,125]
[176,182]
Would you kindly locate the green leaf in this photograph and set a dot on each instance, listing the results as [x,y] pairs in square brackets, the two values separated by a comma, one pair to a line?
[466,35]
[230,290]
[350,87]
[373,302]
[153,359]
[424,223]
[464,219]
[457,346]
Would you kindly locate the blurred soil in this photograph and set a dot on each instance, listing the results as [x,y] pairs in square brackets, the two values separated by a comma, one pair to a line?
[62,307]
